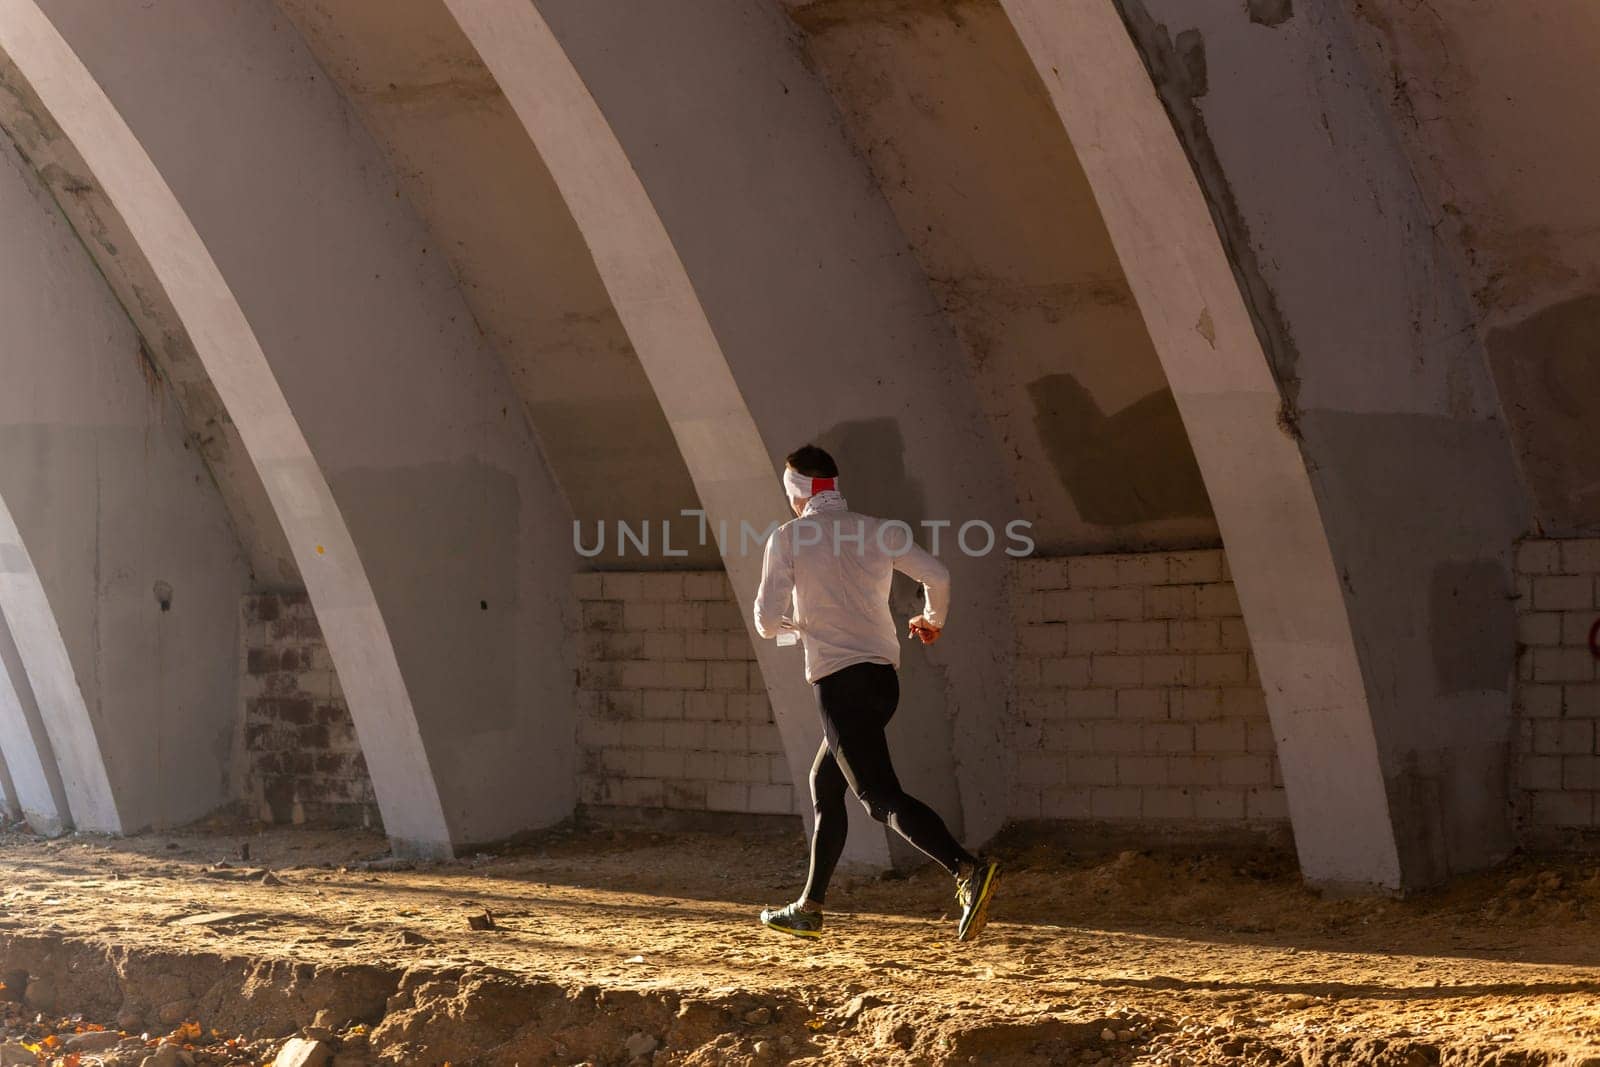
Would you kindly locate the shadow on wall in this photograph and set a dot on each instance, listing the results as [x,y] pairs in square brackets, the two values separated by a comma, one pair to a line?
[1473,621]
[1134,466]
[873,476]
[871,454]
[1549,380]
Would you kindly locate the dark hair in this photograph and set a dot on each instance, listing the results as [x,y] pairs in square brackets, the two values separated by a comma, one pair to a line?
[812,462]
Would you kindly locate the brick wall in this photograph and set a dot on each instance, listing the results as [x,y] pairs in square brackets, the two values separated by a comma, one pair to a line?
[1137,695]
[673,712]
[1136,698]
[1557,751]
[301,760]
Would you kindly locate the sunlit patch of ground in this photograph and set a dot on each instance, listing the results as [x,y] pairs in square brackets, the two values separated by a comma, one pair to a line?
[652,938]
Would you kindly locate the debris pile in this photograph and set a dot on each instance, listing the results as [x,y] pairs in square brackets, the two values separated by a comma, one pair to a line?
[33,1034]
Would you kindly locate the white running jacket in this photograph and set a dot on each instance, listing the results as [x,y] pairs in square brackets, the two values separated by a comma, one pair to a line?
[826,575]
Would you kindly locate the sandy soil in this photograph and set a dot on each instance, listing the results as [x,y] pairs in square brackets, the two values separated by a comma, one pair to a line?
[616,948]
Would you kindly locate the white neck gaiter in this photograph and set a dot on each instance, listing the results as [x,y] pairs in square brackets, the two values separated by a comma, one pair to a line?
[827,500]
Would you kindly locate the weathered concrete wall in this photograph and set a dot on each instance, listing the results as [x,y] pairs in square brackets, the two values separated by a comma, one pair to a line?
[1370,333]
[212,433]
[122,524]
[1300,294]
[1484,96]
[900,254]
[72,126]
[946,108]
[1138,695]
[826,321]
[1549,383]
[494,213]
[298,758]
[673,711]
[120,520]
[438,479]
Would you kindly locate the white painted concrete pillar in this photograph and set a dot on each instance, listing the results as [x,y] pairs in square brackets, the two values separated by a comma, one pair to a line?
[1324,362]
[764,284]
[654,297]
[35,780]
[432,540]
[829,327]
[409,420]
[9,808]
[73,734]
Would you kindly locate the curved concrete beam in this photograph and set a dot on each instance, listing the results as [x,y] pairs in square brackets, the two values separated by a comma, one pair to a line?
[479,185]
[9,806]
[797,262]
[656,301]
[34,778]
[347,609]
[1281,560]
[73,736]
[732,150]
[643,275]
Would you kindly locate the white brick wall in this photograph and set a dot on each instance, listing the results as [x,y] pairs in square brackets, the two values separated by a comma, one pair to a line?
[1558,687]
[1137,694]
[673,712]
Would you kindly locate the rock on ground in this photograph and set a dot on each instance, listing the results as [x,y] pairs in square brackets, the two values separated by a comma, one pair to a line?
[304,1052]
[641,1045]
[12,1054]
[91,1041]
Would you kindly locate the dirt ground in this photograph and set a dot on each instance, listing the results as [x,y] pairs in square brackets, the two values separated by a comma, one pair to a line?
[629,947]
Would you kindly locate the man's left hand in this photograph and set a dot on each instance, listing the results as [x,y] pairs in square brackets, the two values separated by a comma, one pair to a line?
[923,630]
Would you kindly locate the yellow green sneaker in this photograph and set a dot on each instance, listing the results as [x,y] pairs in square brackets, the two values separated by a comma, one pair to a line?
[793,919]
[973,894]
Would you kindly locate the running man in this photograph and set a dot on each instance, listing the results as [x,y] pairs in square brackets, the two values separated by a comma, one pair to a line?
[826,578]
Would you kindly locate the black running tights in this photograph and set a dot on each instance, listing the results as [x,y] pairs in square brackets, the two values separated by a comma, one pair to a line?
[856,704]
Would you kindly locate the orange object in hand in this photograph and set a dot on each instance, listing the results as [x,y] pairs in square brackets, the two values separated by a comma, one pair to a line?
[923,630]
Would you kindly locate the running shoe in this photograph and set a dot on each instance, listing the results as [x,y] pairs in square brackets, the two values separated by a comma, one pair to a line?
[793,920]
[973,895]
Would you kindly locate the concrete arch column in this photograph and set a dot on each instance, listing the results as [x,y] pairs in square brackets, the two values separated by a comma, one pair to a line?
[74,740]
[10,808]
[655,299]
[32,777]
[358,632]
[1312,334]
[447,569]
[771,298]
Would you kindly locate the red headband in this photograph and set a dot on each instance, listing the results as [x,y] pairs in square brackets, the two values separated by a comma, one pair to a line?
[799,485]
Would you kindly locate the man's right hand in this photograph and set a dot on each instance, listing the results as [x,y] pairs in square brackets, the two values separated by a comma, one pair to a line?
[923,630]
